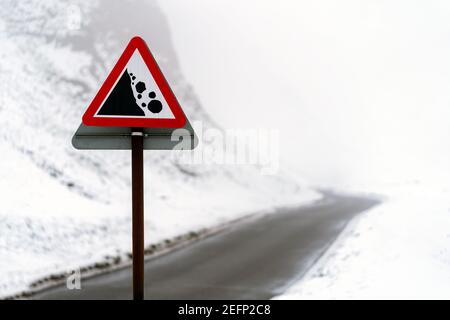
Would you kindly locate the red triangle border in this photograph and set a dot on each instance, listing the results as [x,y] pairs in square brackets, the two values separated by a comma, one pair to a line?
[138,43]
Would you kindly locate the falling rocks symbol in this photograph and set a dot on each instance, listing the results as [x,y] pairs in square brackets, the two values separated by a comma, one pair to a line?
[121,100]
[140,87]
[155,106]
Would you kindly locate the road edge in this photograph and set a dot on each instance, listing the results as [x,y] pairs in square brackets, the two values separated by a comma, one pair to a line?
[327,253]
[152,251]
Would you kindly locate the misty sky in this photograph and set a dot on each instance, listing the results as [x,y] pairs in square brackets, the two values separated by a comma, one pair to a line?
[359,89]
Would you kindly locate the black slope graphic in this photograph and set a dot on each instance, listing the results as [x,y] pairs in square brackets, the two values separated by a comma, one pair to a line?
[121,101]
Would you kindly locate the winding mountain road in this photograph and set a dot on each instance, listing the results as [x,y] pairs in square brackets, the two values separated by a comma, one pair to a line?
[256,259]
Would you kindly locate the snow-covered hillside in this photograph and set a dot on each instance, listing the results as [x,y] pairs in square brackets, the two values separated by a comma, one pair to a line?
[62,208]
[366,87]
[397,250]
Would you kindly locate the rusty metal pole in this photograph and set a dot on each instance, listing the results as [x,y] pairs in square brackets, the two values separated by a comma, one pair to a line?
[137,181]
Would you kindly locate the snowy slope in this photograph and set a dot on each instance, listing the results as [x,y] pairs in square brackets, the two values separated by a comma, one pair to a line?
[365,84]
[398,250]
[62,208]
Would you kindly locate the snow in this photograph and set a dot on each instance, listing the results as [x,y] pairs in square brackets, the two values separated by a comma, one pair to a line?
[367,99]
[398,250]
[62,208]
[46,228]
[365,84]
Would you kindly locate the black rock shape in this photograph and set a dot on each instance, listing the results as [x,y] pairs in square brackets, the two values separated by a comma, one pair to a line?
[152,95]
[155,106]
[140,87]
[121,100]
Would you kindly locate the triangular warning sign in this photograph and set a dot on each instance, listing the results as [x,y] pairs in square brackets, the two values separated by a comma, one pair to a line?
[135,94]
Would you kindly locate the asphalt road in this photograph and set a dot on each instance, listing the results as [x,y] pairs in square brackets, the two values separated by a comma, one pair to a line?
[256,259]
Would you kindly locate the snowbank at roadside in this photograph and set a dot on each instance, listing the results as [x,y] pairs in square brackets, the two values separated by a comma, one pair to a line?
[397,250]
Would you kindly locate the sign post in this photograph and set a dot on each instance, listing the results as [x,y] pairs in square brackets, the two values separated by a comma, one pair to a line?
[136,110]
[137,181]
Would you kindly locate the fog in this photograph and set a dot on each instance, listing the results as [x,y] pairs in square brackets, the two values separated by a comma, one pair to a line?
[359,90]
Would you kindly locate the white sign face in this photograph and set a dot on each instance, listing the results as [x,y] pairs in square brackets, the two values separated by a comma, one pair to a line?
[147,100]
[135,94]
[142,79]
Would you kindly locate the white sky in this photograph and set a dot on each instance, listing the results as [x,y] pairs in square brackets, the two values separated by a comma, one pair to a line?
[359,89]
